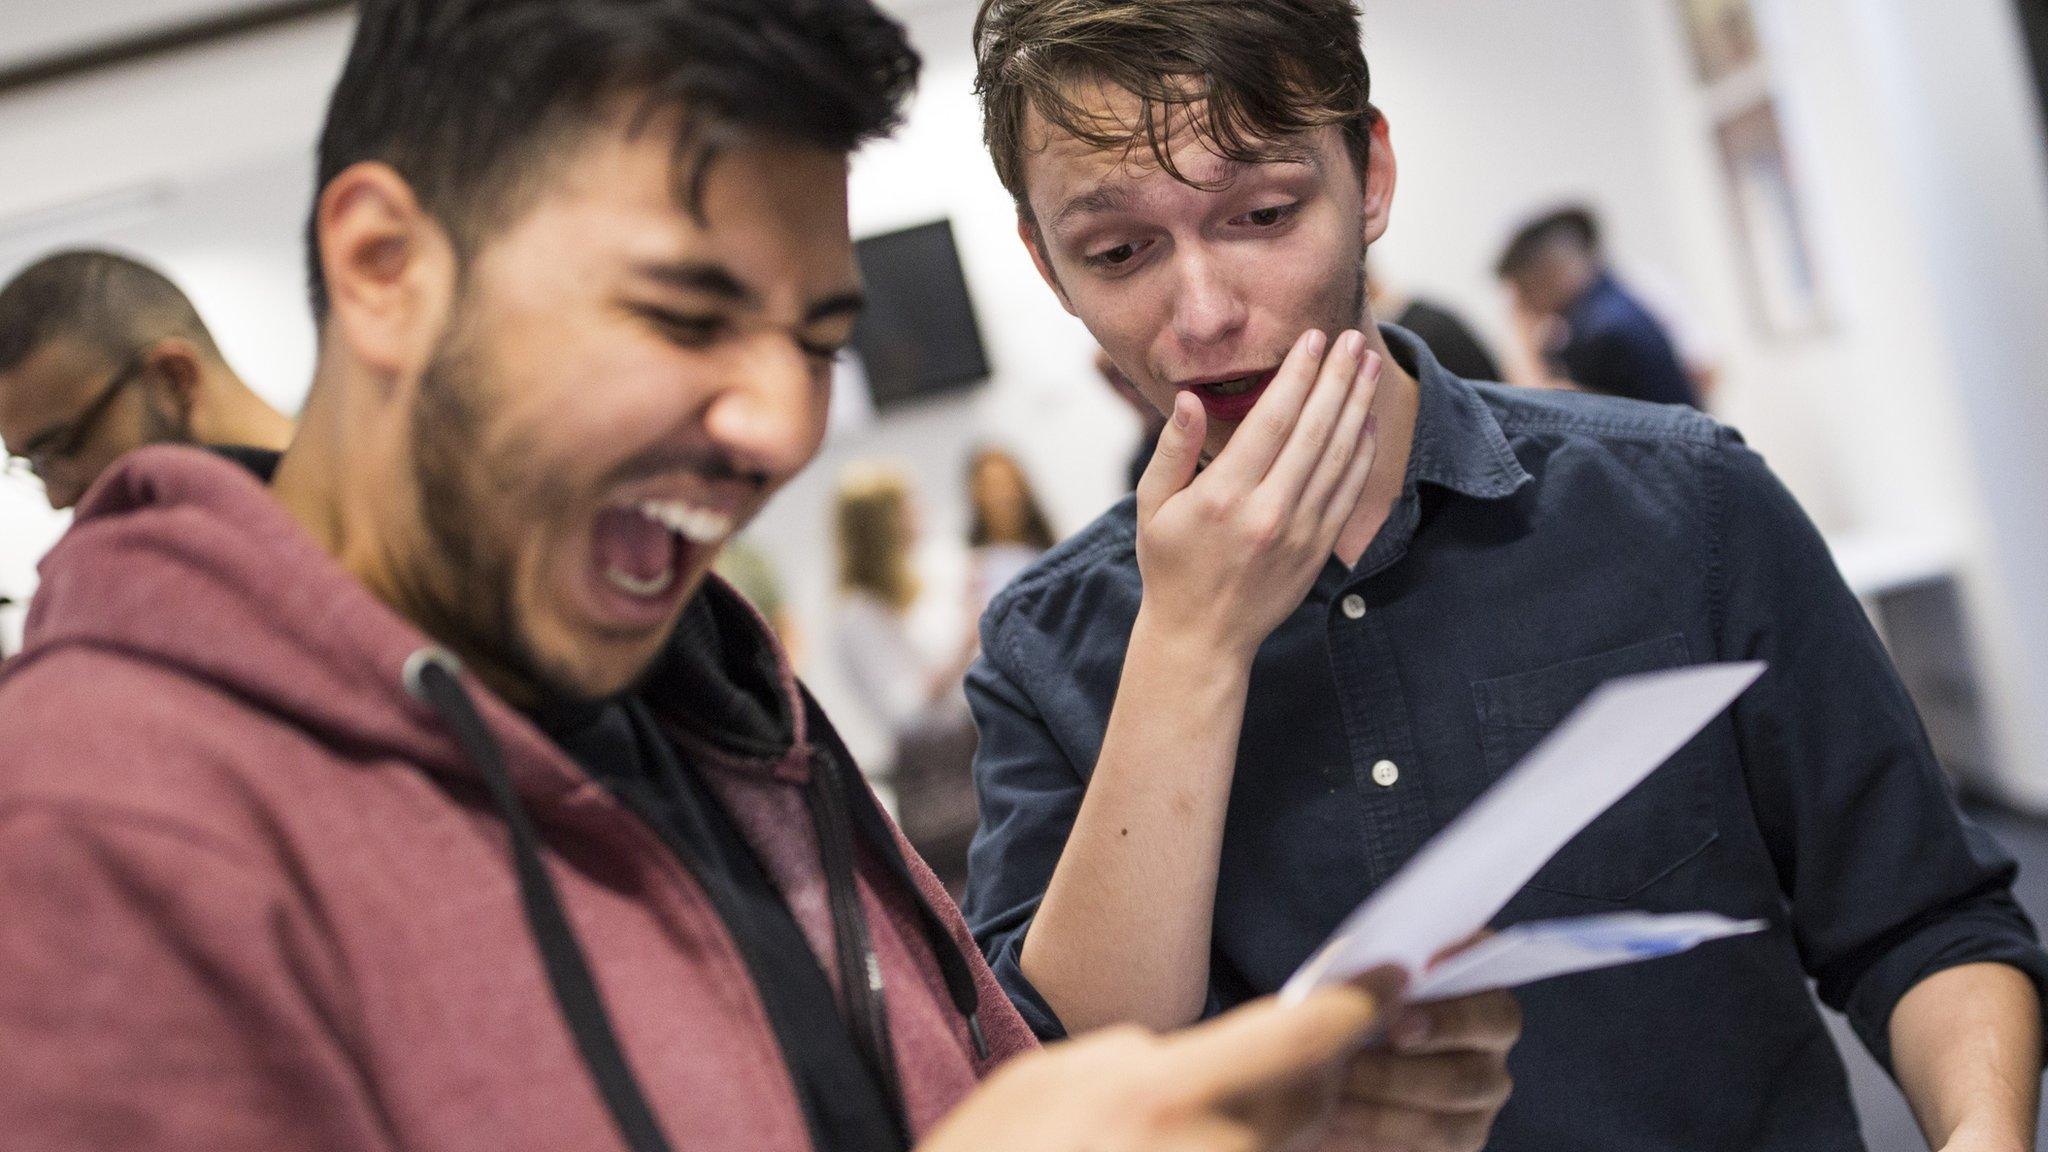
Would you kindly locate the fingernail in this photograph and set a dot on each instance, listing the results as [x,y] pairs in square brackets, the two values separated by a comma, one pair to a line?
[1315,341]
[1180,414]
[1353,343]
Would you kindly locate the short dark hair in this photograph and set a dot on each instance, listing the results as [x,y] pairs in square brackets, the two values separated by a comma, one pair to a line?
[1572,224]
[1261,71]
[111,302]
[464,98]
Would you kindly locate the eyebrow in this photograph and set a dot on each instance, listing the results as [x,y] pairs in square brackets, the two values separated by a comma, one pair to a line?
[718,281]
[1106,198]
[708,279]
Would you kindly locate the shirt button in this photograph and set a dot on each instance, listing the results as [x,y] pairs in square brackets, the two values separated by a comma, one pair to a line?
[1385,774]
[1354,606]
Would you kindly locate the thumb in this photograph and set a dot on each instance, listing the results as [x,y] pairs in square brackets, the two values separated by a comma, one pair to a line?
[1174,460]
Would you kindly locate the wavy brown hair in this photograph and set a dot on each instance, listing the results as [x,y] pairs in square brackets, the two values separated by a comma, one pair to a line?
[1035,529]
[872,521]
[1246,76]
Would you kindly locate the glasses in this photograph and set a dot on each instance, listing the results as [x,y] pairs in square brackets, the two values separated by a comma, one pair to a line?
[64,440]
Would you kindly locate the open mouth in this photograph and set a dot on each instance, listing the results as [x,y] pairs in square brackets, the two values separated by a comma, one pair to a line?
[1231,399]
[642,550]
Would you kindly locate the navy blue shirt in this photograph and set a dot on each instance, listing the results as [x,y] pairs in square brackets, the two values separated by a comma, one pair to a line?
[1545,542]
[1615,346]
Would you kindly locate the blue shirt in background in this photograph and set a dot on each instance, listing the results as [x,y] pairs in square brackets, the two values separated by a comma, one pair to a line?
[1545,542]
[1614,346]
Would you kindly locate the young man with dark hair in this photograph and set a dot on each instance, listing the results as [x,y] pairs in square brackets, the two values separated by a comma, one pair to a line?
[1607,341]
[101,354]
[417,789]
[1215,720]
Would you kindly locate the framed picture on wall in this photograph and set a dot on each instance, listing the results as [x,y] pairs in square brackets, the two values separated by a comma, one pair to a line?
[1775,247]
[1724,39]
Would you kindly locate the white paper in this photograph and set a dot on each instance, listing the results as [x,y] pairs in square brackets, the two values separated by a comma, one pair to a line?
[1470,870]
[1526,953]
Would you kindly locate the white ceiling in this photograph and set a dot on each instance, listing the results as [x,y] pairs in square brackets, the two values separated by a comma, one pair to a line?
[32,30]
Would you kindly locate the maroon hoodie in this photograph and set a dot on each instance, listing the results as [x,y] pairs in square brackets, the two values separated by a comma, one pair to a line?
[256,894]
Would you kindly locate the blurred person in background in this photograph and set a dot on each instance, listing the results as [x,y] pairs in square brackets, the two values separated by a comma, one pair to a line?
[875,522]
[1007,527]
[1457,347]
[1575,313]
[909,694]
[101,354]
[416,788]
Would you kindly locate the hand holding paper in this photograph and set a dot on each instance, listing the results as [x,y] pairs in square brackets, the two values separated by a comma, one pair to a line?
[1470,870]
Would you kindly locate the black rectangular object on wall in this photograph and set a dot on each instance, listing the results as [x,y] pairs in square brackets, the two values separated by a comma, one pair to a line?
[918,336]
[2034,20]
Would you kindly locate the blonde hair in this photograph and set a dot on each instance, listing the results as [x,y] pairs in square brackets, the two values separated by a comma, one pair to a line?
[872,517]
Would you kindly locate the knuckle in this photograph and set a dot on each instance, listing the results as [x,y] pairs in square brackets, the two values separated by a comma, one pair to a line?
[1263,527]
[1367,1075]
[1215,508]
[1274,425]
[1477,1080]
[1317,432]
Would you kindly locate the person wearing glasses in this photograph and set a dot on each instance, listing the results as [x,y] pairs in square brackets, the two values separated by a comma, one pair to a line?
[100,354]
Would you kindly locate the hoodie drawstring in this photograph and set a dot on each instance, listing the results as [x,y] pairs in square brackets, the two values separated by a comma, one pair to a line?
[873,827]
[430,677]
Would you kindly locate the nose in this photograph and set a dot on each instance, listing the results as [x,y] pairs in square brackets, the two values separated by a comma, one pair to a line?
[1208,307]
[770,413]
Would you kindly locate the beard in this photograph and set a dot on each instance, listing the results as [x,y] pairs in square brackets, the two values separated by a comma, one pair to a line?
[462,585]
[1359,292]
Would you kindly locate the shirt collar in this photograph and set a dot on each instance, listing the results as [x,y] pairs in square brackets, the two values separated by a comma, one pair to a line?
[1459,444]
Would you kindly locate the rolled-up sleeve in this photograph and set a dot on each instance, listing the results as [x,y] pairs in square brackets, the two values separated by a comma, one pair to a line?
[1029,795]
[1888,882]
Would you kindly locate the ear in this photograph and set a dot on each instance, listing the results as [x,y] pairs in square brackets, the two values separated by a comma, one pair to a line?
[1034,243]
[390,270]
[1380,171]
[178,363]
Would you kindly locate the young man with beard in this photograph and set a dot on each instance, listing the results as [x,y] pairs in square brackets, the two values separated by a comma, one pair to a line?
[429,795]
[1218,718]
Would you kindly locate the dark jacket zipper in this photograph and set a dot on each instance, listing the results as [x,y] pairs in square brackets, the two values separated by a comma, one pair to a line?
[860,969]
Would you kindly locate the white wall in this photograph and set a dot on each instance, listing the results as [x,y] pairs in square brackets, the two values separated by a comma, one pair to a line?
[1918,149]
[200,161]
[1954,81]
[39,29]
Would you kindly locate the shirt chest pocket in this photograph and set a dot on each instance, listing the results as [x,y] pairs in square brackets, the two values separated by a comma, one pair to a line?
[1649,833]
